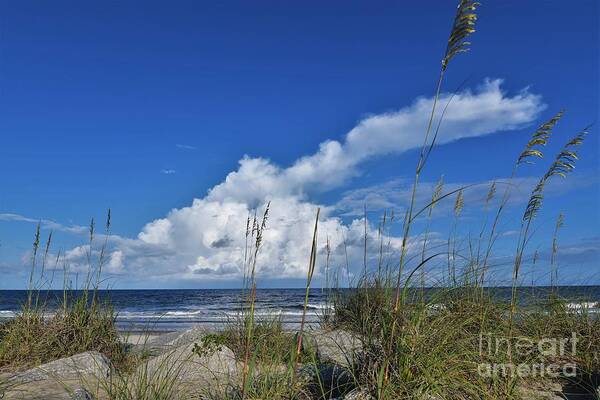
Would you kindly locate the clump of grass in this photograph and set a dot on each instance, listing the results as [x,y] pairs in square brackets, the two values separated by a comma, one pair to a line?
[441,342]
[31,338]
[81,323]
[554,318]
[418,346]
[142,383]
[359,311]
[271,344]
[266,385]
[274,385]
[273,352]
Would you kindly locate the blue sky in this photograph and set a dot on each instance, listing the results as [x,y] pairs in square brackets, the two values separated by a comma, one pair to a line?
[144,109]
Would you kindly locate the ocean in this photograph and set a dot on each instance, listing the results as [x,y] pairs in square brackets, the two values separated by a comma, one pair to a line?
[169,310]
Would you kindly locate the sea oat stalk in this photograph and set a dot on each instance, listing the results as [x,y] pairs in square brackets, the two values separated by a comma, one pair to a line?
[311,270]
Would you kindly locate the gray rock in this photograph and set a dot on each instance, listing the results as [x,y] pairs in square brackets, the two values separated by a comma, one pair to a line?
[551,391]
[81,394]
[47,390]
[90,364]
[337,347]
[216,368]
[359,394]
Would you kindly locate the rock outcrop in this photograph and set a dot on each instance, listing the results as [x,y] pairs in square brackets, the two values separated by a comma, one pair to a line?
[88,364]
[61,379]
[336,347]
[215,370]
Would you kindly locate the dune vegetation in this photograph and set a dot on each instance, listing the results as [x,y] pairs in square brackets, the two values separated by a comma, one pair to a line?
[82,322]
[454,341]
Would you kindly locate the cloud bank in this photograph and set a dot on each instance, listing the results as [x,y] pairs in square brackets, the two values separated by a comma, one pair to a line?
[206,239]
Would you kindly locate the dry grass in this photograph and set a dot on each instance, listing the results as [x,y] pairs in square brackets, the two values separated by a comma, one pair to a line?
[31,339]
[80,323]
[437,349]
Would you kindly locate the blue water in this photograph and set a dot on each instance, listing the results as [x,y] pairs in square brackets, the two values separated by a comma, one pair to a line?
[167,310]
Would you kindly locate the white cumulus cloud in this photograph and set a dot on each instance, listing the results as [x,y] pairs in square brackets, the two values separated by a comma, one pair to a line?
[206,239]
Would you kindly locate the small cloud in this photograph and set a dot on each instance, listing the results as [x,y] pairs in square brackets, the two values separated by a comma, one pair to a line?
[167,171]
[44,223]
[185,147]
[396,194]
[221,270]
[221,243]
